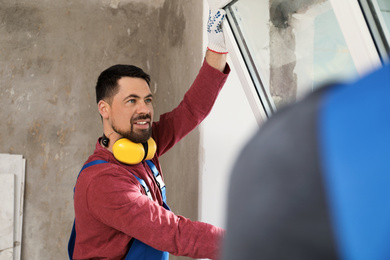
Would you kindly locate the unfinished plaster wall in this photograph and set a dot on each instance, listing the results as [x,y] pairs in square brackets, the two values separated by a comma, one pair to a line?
[51,53]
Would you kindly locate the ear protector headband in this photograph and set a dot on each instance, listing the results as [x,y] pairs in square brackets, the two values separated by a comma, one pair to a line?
[128,152]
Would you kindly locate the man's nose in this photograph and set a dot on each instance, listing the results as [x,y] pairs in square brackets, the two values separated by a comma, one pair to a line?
[143,108]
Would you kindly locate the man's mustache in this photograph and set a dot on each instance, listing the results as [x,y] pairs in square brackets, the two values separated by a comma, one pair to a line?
[142,116]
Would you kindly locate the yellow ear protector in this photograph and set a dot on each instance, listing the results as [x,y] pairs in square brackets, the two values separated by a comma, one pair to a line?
[128,152]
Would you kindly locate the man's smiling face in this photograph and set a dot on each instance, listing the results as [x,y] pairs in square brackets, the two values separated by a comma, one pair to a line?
[131,112]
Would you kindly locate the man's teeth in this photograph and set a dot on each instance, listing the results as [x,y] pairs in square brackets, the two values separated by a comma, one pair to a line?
[141,123]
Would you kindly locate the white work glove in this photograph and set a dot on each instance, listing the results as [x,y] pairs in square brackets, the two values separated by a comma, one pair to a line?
[215,32]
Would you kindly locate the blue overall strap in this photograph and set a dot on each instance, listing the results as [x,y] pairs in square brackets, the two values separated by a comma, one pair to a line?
[158,179]
[90,164]
[72,239]
[146,188]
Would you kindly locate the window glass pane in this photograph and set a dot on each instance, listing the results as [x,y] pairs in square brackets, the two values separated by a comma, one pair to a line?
[296,48]
[384,6]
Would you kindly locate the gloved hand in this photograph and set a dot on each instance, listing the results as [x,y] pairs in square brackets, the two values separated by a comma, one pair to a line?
[214,31]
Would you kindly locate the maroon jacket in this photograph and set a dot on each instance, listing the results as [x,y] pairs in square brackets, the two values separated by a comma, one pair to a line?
[111,206]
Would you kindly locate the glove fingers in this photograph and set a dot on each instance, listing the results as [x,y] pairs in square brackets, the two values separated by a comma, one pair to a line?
[215,32]
[216,18]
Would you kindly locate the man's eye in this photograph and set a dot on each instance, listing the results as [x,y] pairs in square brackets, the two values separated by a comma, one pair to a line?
[149,100]
[131,101]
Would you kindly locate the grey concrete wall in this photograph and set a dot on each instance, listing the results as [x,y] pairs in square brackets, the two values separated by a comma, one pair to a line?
[51,53]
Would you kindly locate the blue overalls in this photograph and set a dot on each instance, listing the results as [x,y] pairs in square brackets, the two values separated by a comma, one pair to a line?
[138,249]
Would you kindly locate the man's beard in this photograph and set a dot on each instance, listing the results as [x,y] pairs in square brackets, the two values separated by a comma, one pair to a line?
[141,136]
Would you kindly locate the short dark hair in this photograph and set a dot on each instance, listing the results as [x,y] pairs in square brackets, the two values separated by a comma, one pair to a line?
[107,83]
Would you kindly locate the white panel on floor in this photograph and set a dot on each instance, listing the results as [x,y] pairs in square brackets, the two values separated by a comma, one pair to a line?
[6,254]
[15,164]
[7,192]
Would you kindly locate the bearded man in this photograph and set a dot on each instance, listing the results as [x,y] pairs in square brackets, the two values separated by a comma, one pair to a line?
[120,206]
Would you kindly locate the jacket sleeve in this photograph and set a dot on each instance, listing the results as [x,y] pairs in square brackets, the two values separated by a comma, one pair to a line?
[195,106]
[116,200]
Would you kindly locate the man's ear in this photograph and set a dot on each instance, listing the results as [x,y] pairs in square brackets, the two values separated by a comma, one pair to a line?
[104,109]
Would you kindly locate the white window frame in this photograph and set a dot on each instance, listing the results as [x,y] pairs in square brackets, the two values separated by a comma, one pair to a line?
[244,76]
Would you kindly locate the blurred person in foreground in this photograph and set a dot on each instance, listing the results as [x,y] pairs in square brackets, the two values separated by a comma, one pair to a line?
[313,183]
